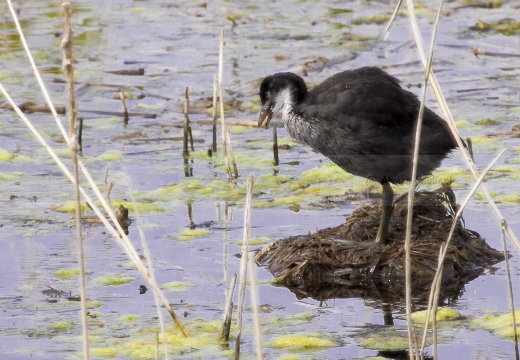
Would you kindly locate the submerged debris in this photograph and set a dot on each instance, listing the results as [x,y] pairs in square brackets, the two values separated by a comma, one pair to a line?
[345,261]
[54,295]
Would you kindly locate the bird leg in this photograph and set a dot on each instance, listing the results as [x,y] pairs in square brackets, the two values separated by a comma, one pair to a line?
[387,207]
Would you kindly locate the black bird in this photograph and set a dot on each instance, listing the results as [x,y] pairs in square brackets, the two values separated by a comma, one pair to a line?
[363,121]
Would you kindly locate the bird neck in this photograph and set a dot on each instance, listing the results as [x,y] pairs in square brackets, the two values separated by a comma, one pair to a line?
[295,124]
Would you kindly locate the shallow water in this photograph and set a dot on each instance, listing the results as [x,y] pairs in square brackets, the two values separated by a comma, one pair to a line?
[177,45]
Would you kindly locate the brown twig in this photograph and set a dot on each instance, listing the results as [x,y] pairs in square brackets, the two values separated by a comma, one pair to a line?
[185,151]
[214,121]
[275,146]
[80,134]
[30,107]
[226,323]
[125,109]
[235,170]
[129,72]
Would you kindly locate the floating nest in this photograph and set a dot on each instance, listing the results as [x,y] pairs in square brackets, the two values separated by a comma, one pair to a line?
[345,261]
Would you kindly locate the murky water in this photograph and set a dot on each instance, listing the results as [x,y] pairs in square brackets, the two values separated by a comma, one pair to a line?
[177,45]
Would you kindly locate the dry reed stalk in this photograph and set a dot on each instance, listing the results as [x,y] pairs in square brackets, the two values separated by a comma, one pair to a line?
[413,347]
[256,307]
[470,149]
[221,101]
[214,121]
[510,288]
[436,279]
[275,147]
[243,263]
[123,104]
[68,68]
[118,233]
[156,346]
[436,304]
[228,313]
[185,151]
[451,122]
[108,185]
[148,257]
[235,170]
[431,312]
[392,19]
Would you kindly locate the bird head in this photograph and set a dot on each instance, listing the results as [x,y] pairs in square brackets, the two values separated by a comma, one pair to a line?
[277,91]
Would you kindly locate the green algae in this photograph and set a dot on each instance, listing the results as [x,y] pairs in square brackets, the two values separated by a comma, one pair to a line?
[301,342]
[10,176]
[259,240]
[510,198]
[329,172]
[443,314]
[69,207]
[283,201]
[130,318]
[499,325]
[67,274]
[390,343]
[372,19]
[111,155]
[338,11]
[105,353]
[62,326]
[176,286]
[487,122]
[94,304]
[114,280]
[192,234]
[6,156]
[507,26]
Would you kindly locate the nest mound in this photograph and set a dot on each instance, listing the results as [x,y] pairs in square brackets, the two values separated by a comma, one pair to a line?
[345,261]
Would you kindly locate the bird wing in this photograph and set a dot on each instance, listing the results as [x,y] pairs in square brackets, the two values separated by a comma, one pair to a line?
[362,100]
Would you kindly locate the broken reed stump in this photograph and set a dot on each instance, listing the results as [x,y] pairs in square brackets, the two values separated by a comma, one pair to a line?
[79,131]
[345,261]
[186,126]
[275,147]
[123,104]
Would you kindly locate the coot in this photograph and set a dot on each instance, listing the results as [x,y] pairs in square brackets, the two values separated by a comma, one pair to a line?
[363,121]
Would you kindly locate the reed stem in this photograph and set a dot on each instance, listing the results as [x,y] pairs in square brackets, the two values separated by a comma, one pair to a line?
[226,323]
[214,121]
[185,151]
[275,147]
[510,289]
[413,346]
[221,100]
[68,68]
[243,264]
[125,109]
[256,307]
[235,169]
